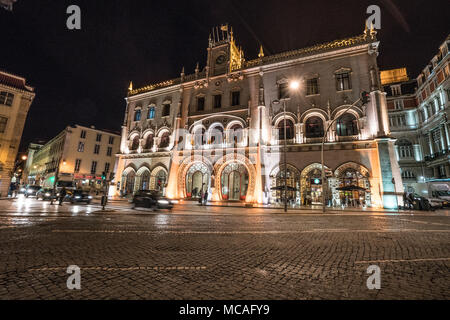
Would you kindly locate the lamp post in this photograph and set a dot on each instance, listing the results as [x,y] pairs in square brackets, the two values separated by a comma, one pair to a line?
[322,152]
[285,158]
[293,86]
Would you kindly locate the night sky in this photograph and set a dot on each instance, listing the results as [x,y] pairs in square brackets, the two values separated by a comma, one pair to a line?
[81,77]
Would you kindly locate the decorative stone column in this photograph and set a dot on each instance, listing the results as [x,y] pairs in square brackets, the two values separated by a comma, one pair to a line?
[447,171]
[444,142]
[391,179]
[430,143]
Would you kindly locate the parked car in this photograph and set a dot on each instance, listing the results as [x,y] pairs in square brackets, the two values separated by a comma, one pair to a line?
[78,196]
[422,203]
[45,194]
[32,191]
[152,200]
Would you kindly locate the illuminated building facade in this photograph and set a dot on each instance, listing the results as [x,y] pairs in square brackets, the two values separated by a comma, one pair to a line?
[221,130]
[16,98]
[77,157]
[418,114]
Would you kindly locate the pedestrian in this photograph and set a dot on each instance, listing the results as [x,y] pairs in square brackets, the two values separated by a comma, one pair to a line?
[200,199]
[411,200]
[405,200]
[205,201]
[62,195]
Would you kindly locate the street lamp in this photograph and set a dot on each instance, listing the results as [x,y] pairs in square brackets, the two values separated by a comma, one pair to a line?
[294,85]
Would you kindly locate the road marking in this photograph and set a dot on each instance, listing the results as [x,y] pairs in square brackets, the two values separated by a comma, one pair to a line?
[402,260]
[153,268]
[160,232]
[416,221]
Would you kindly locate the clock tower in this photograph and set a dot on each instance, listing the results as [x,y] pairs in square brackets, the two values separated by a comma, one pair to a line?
[224,56]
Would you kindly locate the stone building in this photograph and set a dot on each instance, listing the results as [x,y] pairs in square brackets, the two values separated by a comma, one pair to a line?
[222,129]
[77,157]
[418,115]
[15,101]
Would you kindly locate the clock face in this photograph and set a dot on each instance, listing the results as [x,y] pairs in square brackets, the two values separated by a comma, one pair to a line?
[220,59]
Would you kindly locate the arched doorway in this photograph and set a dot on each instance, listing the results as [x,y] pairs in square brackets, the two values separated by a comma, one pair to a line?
[145,181]
[128,182]
[293,183]
[197,180]
[312,186]
[160,180]
[353,188]
[234,182]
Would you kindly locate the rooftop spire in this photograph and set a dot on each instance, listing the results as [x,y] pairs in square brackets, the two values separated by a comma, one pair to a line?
[261,52]
[130,88]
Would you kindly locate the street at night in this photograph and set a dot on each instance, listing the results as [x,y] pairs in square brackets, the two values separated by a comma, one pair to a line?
[224,159]
[219,253]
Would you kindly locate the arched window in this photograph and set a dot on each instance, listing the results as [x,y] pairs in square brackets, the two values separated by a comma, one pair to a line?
[161,179]
[235,134]
[137,115]
[347,125]
[165,140]
[135,143]
[151,113]
[289,129]
[145,181]
[314,128]
[216,135]
[166,110]
[129,182]
[198,138]
[149,142]
[405,149]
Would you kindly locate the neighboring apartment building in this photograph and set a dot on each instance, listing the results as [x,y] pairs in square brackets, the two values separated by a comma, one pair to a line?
[77,156]
[221,130]
[15,101]
[419,110]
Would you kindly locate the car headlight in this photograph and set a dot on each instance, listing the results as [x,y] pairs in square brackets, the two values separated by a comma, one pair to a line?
[163,202]
[29,191]
[90,197]
[23,190]
[174,202]
[77,197]
[47,194]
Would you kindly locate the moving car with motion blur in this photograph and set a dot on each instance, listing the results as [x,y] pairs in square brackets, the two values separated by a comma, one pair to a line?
[152,200]
[32,191]
[79,196]
[45,194]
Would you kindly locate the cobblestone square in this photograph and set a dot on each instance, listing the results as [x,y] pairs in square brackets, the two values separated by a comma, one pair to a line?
[219,253]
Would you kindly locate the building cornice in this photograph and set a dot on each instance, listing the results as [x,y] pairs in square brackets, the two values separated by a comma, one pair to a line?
[343,46]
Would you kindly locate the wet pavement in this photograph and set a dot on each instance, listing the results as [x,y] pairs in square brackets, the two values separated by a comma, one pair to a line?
[219,253]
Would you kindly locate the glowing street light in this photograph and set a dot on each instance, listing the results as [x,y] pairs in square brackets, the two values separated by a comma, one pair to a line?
[294,85]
